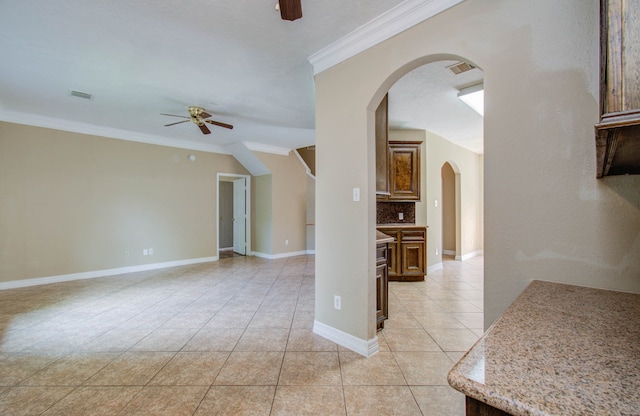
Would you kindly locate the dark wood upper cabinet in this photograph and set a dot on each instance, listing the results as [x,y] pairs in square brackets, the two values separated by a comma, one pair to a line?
[382,148]
[404,171]
[618,132]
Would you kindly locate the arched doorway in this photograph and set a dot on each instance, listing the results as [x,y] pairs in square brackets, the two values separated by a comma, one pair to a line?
[451,212]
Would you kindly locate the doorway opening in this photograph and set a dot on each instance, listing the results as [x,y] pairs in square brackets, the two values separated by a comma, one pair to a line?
[233,234]
[451,211]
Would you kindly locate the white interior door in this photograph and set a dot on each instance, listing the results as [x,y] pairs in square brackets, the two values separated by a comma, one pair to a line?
[240,216]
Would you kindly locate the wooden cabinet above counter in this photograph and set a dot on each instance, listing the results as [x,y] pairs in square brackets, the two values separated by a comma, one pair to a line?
[618,132]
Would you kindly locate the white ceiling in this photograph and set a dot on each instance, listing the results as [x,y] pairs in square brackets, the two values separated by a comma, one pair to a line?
[237,59]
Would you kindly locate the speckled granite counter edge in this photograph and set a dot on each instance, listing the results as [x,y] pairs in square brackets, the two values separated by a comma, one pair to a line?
[558,349]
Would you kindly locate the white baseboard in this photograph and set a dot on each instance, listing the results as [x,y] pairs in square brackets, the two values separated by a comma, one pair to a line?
[435,267]
[281,255]
[470,255]
[361,346]
[14,284]
[449,252]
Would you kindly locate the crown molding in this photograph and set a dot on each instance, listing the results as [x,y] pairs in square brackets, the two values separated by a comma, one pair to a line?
[405,15]
[267,148]
[95,130]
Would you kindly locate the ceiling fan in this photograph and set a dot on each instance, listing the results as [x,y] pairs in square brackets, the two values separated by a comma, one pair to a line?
[290,9]
[198,116]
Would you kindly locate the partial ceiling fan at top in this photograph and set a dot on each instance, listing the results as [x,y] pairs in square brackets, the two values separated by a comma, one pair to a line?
[290,9]
[198,116]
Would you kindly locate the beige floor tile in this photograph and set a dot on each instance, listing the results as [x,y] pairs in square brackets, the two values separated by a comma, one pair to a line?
[454,339]
[237,401]
[18,367]
[424,368]
[401,320]
[203,316]
[116,340]
[131,369]
[403,339]
[271,320]
[191,369]
[303,319]
[437,320]
[214,339]
[227,319]
[250,368]
[18,401]
[184,320]
[439,400]
[310,368]
[94,401]
[308,400]
[166,400]
[71,370]
[380,401]
[379,370]
[170,339]
[275,339]
[305,340]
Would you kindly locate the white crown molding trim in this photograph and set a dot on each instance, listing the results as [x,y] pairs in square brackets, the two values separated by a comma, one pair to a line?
[15,284]
[435,267]
[95,130]
[400,18]
[266,148]
[280,255]
[361,346]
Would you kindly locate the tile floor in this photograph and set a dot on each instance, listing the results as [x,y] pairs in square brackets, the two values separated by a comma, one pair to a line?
[232,337]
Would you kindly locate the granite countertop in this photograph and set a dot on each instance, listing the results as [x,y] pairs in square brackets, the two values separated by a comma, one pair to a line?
[558,350]
[383,238]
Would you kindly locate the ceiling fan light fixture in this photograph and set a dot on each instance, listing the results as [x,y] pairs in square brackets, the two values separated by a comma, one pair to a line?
[473,96]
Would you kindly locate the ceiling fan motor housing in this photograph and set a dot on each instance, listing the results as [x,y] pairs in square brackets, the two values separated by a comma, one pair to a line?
[290,9]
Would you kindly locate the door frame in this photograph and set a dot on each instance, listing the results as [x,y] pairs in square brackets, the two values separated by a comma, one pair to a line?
[219,176]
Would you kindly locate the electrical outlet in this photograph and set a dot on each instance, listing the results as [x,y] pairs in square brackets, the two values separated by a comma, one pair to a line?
[286,242]
[145,252]
[437,252]
[400,215]
[337,302]
[356,194]
[151,251]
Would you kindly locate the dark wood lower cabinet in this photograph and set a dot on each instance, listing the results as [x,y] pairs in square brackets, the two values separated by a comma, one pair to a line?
[478,408]
[407,255]
[382,285]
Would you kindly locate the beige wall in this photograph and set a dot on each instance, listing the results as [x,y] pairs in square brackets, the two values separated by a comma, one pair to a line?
[545,214]
[262,212]
[288,199]
[74,203]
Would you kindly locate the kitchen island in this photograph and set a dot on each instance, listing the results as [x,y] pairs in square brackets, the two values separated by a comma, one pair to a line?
[557,350]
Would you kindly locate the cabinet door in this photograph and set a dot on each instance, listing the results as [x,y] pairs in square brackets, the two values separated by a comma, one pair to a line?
[382,284]
[413,256]
[404,171]
[393,259]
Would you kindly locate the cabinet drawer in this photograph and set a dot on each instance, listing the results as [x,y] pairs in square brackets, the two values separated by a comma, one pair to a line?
[381,254]
[412,235]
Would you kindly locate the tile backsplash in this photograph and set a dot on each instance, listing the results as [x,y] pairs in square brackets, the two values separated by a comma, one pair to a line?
[389,212]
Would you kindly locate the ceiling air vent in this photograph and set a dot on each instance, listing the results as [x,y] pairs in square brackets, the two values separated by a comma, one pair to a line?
[81,94]
[460,67]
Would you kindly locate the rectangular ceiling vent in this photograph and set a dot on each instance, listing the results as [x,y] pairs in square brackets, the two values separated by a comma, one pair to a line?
[80,94]
[460,67]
